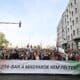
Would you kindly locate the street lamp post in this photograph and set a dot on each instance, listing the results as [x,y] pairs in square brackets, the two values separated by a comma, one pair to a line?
[12,23]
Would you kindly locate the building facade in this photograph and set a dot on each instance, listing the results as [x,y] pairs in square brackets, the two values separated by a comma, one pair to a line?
[68,30]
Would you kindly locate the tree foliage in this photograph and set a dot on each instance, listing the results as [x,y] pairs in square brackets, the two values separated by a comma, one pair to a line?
[3,41]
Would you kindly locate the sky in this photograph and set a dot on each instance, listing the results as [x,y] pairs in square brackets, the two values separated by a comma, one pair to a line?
[39,19]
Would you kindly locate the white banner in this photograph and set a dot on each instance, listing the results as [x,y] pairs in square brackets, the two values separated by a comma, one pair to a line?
[39,67]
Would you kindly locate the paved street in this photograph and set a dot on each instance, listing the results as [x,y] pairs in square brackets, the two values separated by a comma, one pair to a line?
[39,77]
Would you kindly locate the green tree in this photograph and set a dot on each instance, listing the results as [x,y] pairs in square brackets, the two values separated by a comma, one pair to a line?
[3,41]
[38,47]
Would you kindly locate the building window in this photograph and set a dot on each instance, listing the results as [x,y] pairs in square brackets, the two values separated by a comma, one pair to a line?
[72,45]
[76,19]
[74,1]
[68,45]
[68,29]
[71,5]
[67,10]
[67,22]
[71,36]
[68,37]
[70,19]
[72,13]
[71,27]
[76,10]
[67,15]
[62,29]
[73,22]
[77,31]
[74,32]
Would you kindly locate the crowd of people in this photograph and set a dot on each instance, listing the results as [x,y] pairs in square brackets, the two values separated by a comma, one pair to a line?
[37,54]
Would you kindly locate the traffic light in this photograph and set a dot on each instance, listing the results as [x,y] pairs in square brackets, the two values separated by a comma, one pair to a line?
[19,24]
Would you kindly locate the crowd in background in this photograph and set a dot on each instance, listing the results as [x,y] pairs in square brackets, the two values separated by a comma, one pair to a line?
[37,54]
